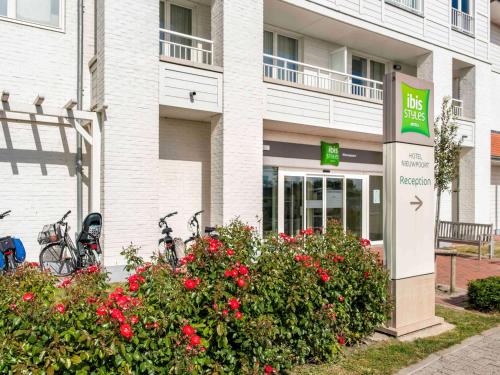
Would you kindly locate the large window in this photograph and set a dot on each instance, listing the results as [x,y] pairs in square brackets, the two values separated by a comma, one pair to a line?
[270,200]
[461,16]
[41,12]
[287,49]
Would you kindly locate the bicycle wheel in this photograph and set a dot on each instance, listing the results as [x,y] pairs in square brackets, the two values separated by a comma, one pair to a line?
[57,259]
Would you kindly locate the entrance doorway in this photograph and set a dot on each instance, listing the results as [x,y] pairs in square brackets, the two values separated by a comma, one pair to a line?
[307,200]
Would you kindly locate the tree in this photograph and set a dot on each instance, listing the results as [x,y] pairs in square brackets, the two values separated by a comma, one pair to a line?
[447,148]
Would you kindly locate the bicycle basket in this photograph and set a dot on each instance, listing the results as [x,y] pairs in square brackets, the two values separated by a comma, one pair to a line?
[50,233]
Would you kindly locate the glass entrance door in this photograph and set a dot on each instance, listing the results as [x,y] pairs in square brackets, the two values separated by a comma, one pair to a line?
[293,204]
[335,199]
[311,201]
[314,202]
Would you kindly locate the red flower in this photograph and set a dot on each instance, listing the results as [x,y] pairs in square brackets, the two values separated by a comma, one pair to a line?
[243,270]
[116,313]
[238,315]
[234,304]
[341,340]
[126,331]
[230,252]
[188,330]
[225,312]
[134,319]
[64,283]
[133,286]
[190,284]
[190,257]
[366,274]
[325,277]
[341,299]
[228,273]
[234,273]
[28,297]
[13,306]
[241,283]
[307,232]
[268,369]
[298,258]
[92,269]
[119,290]
[195,340]
[60,308]
[101,311]
[365,242]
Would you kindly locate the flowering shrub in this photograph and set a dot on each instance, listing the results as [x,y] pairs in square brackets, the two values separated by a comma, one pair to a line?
[237,305]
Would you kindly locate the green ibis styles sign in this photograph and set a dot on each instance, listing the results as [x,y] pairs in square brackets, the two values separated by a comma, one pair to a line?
[415,110]
[330,154]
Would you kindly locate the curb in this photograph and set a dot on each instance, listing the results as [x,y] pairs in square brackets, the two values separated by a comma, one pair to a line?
[437,356]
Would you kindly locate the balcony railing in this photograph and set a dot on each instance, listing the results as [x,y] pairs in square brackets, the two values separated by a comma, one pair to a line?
[461,21]
[186,47]
[457,107]
[319,78]
[413,5]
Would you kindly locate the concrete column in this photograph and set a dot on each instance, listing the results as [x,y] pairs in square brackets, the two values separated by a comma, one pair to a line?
[438,67]
[236,154]
[130,178]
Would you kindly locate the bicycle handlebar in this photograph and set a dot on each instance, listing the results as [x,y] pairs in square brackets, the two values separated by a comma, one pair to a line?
[64,217]
[6,213]
[162,219]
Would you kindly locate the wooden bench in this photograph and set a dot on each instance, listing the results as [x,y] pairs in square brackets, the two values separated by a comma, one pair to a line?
[466,233]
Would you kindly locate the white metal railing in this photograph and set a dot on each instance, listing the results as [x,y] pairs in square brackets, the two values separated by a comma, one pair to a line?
[414,5]
[186,47]
[462,21]
[457,107]
[325,79]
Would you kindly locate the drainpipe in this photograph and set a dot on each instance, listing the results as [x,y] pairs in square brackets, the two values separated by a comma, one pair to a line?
[79,98]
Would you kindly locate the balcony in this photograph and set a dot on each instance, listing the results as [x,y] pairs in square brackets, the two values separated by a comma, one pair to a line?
[186,48]
[457,107]
[462,21]
[411,5]
[190,83]
[297,74]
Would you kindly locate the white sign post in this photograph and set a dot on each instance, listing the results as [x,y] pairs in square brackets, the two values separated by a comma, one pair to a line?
[409,202]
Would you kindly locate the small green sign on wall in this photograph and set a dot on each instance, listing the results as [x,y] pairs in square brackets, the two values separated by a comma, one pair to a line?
[330,154]
[415,110]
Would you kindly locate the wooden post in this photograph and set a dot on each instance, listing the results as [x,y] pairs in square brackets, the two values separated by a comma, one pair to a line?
[453,273]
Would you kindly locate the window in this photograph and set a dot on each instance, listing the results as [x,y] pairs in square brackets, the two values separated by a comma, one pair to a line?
[40,12]
[461,5]
[270,200]
[365,68]
[3,7]
[461,16]
[411,5]
[285,47]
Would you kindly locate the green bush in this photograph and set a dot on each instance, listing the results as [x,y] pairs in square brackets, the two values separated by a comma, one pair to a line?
[484,294]
[238,305]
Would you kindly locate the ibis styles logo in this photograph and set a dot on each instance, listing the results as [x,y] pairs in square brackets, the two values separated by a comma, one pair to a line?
[415,110]
[330,154]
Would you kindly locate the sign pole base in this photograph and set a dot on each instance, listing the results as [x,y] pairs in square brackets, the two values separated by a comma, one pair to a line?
[414,305]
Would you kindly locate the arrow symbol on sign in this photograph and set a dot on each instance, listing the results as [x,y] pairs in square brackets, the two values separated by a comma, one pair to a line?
[418,203]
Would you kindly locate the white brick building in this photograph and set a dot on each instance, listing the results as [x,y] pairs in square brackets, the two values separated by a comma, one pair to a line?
[222,106]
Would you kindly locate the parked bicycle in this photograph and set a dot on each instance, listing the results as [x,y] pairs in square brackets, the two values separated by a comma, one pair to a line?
[174,248]
[59,254]
[12,252]
[194,227]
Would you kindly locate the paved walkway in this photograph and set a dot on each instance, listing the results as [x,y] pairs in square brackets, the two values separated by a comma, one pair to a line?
[478,355]
[468,268]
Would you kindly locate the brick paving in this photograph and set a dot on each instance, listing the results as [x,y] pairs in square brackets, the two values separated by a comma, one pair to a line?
[478,355]
[468,268]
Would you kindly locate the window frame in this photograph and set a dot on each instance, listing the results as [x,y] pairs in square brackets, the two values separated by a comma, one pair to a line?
[277,31]
[459,2]
[184,4]
[12,17]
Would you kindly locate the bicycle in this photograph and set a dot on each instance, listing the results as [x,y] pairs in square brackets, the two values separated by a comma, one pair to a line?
[194,227]
[12,252]
[174,247]
[59,254]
